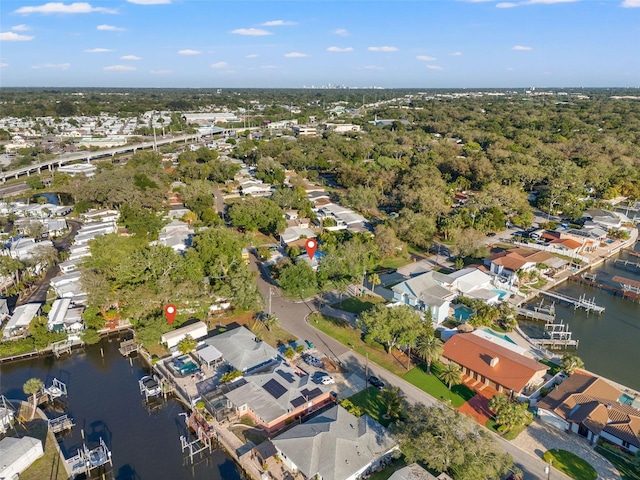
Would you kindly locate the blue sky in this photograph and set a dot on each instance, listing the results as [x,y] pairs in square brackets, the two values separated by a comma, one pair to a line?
[422,43]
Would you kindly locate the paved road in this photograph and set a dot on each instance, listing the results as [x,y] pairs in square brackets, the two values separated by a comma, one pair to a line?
[293,318]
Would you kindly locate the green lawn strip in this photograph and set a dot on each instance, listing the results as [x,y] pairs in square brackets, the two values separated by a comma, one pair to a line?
[277,336]
[394,262]
[458,395]
[345,334]
[369,401]
[627,469]
[358,304]
[553,367]
[571,464]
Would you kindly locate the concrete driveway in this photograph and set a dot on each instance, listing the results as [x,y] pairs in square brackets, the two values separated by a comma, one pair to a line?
[540,437]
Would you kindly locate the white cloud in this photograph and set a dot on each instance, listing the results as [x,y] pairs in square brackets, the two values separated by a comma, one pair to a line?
[15,37]
[150,2]
[342,32]
[383,49]
[110,28]
[456,54]
[20,28]
[509,69]
[252,55]
[60,66]
[339,49]
[189,52]
[98,50]
[4,65]
[278,23]
[521,48]
[252,32]
[630,4]
[373,67]
[425,58]
[506,5]
[119,68]
[160,72]
[130,57]
[434,67]
[295,55]
[59,7]
[219,65]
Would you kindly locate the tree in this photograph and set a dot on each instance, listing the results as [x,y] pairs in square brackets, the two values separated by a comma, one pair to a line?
[451,374]
[258,214]
[270,321]
[187,344]
[32,387]
[391,326]
[374,280]
[392,400]
[230,376]
[571,363]
[508,414]
[429,348]
[447,441]
[298,277]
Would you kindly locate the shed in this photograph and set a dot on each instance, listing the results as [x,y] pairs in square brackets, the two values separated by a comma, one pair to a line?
[17,454]
[195,330]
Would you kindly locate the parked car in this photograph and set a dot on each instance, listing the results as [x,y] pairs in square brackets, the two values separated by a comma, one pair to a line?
[313,361]
[376,382]
[491,234]
[327,380]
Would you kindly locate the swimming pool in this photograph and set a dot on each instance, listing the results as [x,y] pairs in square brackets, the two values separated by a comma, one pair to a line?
[184,365]
[462,313]
[495,334]
[501,293]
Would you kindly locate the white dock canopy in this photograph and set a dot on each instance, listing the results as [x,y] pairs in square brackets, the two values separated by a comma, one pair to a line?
[209,355]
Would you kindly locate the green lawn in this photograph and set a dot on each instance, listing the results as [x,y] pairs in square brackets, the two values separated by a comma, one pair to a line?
[345,334]
[571,464]
[395,262]
[369,401]
[627,469]
[458,395]
[358,304]
[511,434]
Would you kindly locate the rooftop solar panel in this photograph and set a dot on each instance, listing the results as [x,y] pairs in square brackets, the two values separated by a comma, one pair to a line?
[274,388]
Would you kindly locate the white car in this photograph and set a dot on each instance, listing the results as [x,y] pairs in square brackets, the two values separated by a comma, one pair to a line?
[327,380]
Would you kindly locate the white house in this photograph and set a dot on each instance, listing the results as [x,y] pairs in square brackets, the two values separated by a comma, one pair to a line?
[17,454]
[425,294]
[196,331]
[19,322]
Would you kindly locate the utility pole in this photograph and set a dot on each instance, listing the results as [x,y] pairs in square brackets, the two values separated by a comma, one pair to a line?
[270,295]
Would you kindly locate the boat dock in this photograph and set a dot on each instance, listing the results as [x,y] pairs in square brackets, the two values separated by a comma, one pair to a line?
[90,461]
[581,302]
[61,423]
[627,291]
[627,265]
[555,344]
[631,252]
[535,315]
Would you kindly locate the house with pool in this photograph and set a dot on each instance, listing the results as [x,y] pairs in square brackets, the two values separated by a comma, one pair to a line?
[594,409]
[489,364]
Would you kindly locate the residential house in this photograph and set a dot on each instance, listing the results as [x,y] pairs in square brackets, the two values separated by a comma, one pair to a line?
[101,215]
[591,407]
[305,131]
[602,219]
[274,397]
[293,234]
[494,365]
[86,169]
[195,330]
[177,235]
[425,294]
[470,282]
[18,324]
[243,350]
[416,472]
[335,445]
[63,318]
[508,263]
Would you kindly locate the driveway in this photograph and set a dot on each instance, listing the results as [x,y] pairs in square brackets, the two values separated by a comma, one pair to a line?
[540,437]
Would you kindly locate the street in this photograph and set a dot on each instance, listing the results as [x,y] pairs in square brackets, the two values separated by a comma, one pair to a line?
[293,317]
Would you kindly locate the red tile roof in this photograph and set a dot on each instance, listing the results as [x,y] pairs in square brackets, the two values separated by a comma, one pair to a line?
[513,371]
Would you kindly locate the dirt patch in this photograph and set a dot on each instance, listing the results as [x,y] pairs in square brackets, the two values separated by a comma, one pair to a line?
[331,366]
[478,409]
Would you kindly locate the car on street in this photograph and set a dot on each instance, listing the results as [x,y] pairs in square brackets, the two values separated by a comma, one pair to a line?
[376,382]
[326,380]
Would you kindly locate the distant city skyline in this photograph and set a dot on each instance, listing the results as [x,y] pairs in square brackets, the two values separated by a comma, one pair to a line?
[291,44]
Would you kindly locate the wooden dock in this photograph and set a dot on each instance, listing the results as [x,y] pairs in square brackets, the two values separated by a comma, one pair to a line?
[621,292]
[535,315]
[127,347]
[627,265]
[631,252]
[61,423]
[582,302]
[555,344]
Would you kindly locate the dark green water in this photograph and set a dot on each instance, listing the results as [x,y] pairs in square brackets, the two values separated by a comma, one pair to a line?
[104,401]
[609,343]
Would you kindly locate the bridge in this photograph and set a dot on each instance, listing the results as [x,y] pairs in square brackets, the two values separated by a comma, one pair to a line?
[88,156]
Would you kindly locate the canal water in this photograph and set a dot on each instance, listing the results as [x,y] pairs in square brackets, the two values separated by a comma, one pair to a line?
[610,342]
[104,400]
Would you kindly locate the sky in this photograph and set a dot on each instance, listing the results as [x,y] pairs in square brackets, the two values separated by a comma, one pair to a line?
[298,43]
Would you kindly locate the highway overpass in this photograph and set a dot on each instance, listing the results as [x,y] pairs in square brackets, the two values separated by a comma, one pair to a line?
[88,156]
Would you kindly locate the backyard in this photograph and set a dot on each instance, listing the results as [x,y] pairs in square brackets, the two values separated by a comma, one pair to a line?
[369,401]
[358,304]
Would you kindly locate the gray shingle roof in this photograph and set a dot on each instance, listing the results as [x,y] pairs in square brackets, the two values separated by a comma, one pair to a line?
[240,348]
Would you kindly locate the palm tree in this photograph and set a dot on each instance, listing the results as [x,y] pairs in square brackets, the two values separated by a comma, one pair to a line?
[428,348]
[570,363]
[32,387]
[374,280]
[187,344]
[391,399]
[451,374]
[270,321]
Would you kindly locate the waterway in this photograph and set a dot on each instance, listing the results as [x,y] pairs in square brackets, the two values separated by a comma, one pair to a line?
[610,342]
[104,400]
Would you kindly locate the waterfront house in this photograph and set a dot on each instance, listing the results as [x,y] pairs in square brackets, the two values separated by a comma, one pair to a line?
[243,350]
[335,445]
[508,263]
[470,282]
[274,397]
[494,365]
[18,454]
[592,408]
[18,324]
[424,293]
[63,318]
[195,330]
